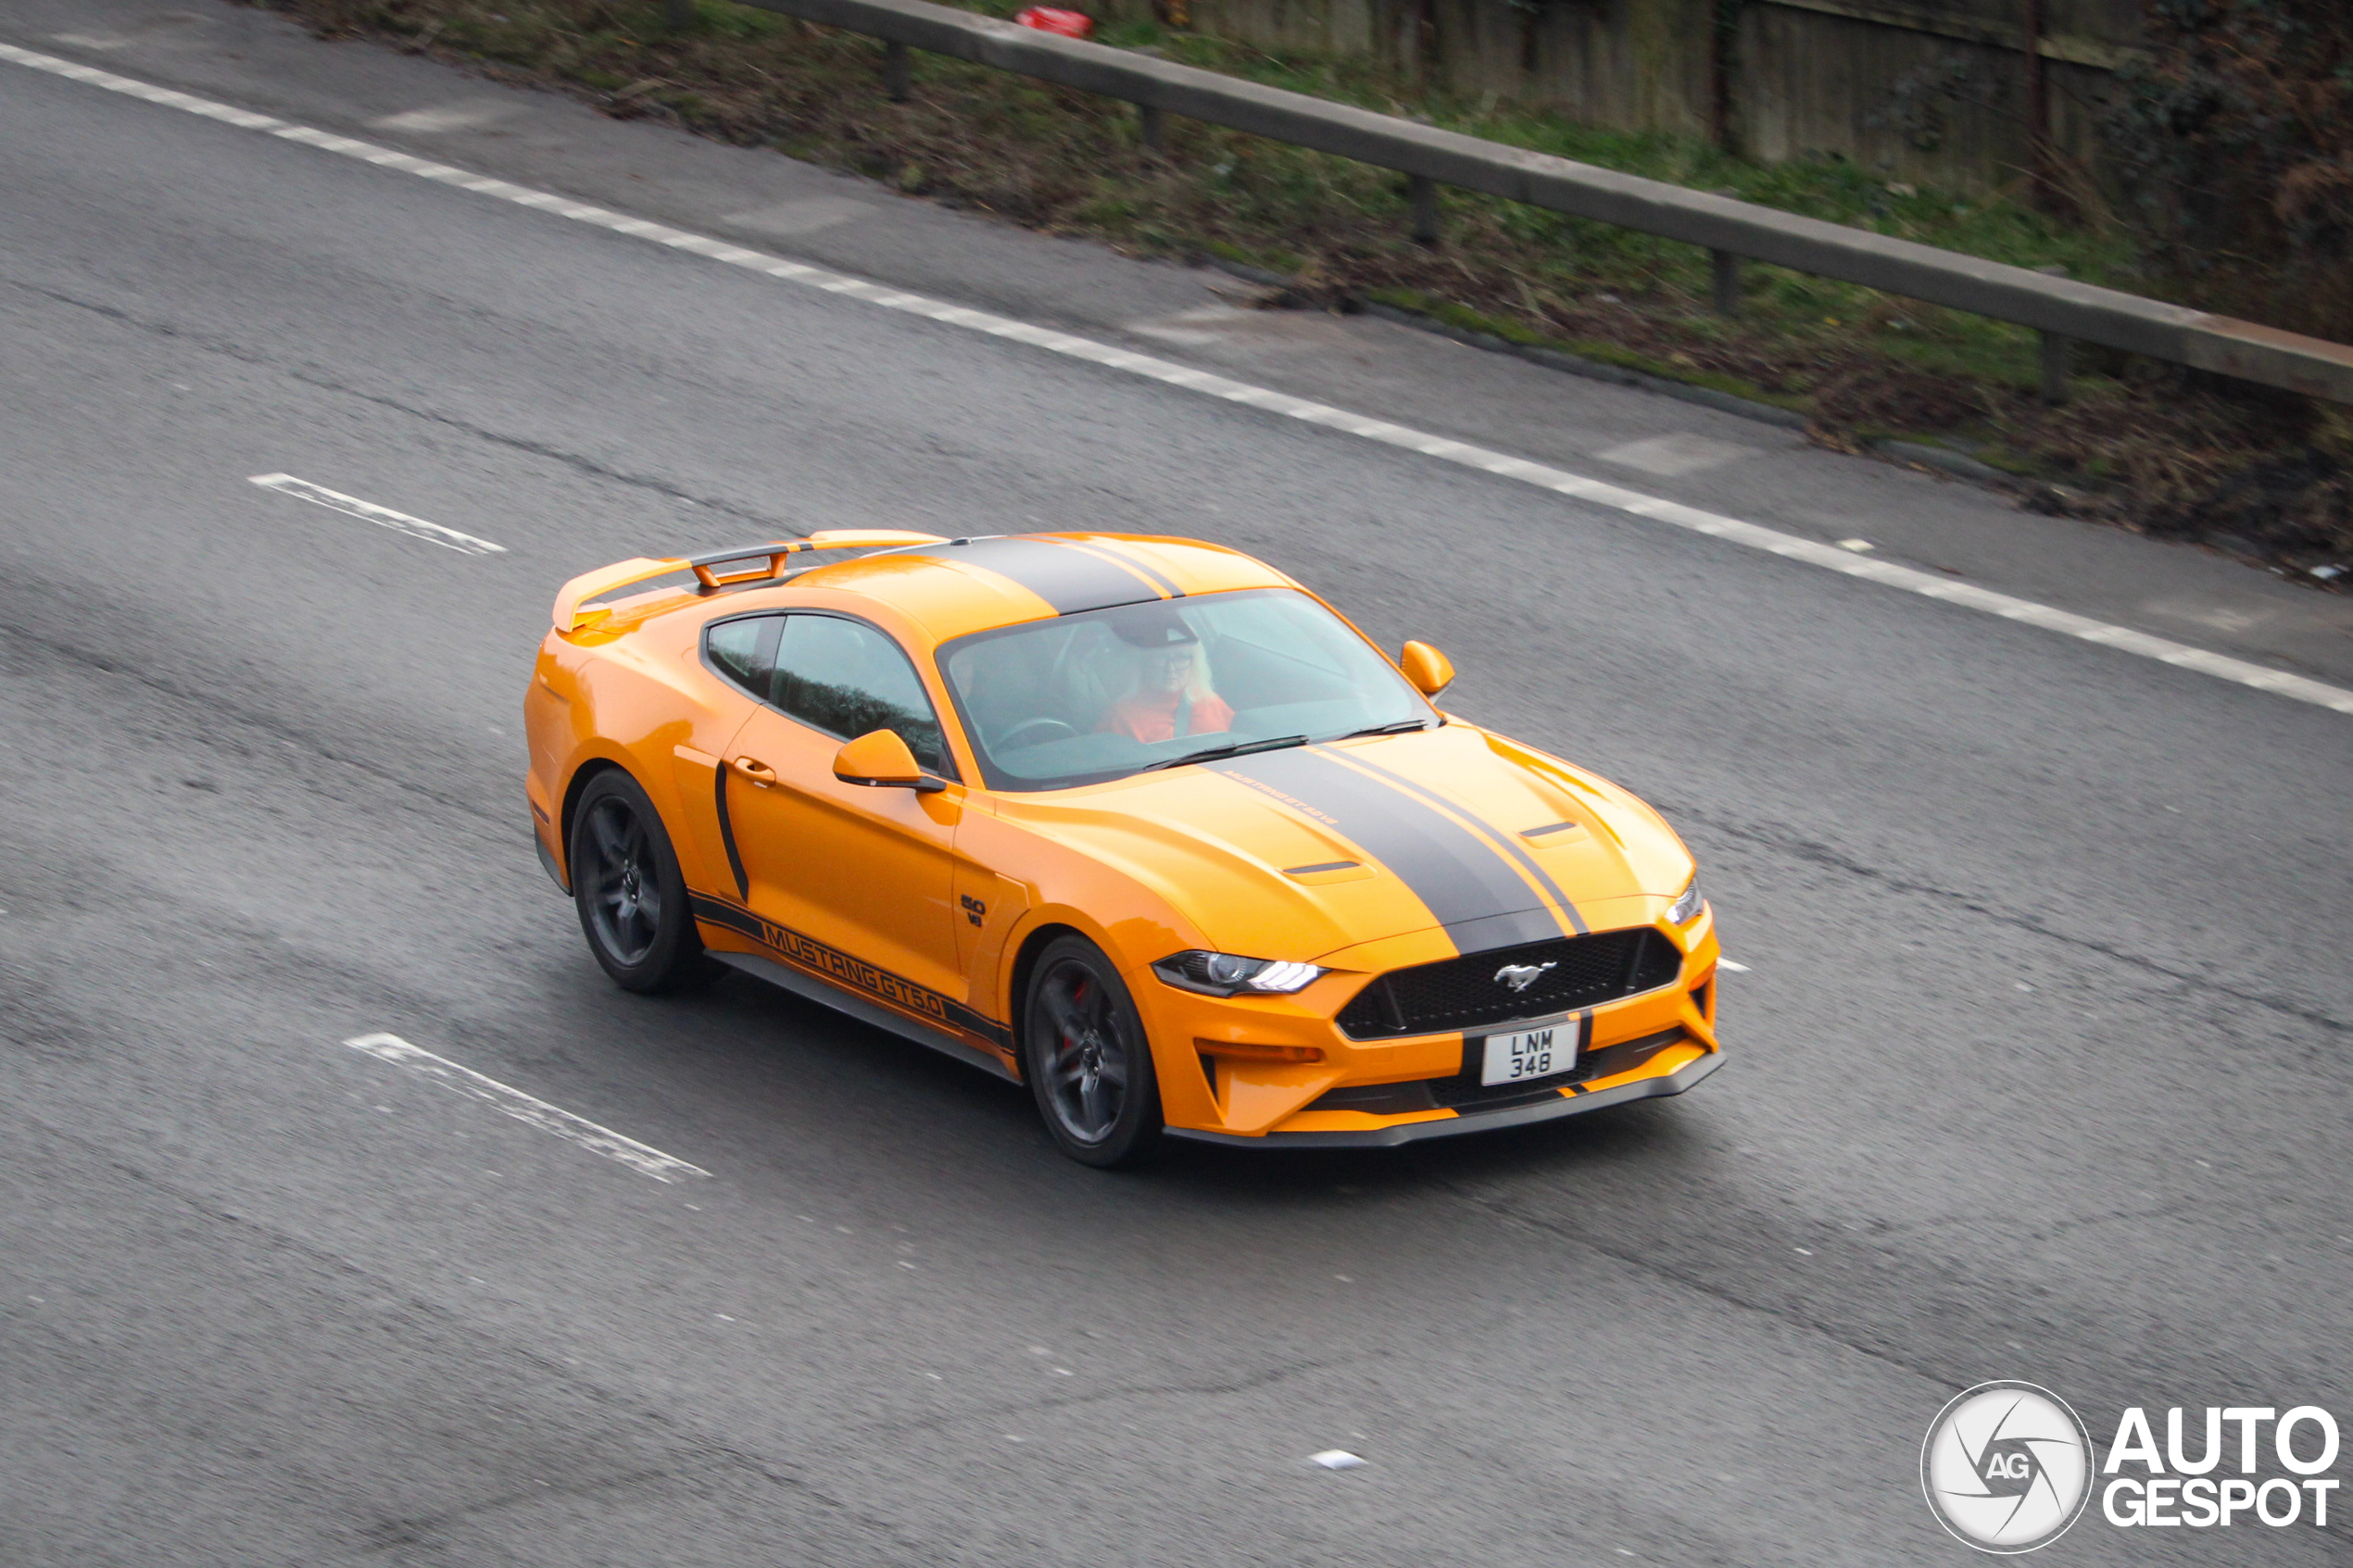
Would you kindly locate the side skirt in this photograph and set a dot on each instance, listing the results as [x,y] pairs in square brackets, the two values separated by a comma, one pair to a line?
[857,1007]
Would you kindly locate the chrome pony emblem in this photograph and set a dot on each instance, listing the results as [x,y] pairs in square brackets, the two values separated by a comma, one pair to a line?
[1520,976]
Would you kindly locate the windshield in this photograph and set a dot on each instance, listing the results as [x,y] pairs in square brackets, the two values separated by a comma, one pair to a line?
[1082,698]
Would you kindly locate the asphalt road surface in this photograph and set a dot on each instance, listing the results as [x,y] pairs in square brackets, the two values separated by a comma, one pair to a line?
[2038,1068]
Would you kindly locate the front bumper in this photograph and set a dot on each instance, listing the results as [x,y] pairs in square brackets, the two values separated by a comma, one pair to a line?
[1574,1100]
[1277,1069]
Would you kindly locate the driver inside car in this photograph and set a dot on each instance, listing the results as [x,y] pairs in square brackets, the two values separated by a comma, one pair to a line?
[1172,695]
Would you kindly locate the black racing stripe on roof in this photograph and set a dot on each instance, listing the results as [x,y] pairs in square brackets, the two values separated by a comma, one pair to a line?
[1467,886]
[1509,844]
[1129,555]
[1070,579]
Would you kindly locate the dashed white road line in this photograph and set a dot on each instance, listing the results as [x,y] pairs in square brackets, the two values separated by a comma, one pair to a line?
[1789,546]
[383,517]
[538,1113]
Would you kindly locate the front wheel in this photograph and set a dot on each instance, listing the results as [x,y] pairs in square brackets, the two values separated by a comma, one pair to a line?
[1086,1059]
[630,893]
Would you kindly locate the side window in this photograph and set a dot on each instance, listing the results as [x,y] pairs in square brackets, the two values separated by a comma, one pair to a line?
[849,680]
[743,651]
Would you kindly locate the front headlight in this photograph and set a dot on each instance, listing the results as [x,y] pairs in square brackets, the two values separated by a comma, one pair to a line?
[1687,904]
[1222,974]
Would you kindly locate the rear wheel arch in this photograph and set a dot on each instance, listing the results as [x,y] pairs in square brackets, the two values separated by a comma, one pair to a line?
[582,777]
[634,906]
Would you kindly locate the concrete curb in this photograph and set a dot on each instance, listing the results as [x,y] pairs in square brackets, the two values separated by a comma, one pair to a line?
[1594,370]
[1551,359]
[1958,464]
[1908,454]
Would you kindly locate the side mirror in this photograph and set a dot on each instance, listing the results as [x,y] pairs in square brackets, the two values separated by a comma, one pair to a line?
[1430,669]
[881,758]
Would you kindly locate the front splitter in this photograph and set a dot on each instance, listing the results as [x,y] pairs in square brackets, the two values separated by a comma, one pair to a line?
[1673,1082]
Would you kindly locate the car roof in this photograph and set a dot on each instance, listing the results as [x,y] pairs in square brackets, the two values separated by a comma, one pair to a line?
[963,585]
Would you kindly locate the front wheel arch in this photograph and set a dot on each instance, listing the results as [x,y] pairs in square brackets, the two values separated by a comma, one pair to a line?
[1016,994]
[1097,1088]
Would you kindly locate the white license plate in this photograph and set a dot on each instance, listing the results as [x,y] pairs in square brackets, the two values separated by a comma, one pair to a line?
[1535,1053]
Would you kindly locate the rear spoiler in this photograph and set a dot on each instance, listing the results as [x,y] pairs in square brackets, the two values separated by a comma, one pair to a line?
[576,610]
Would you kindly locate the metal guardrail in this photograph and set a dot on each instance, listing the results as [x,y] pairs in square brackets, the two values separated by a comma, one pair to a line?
[2060,308]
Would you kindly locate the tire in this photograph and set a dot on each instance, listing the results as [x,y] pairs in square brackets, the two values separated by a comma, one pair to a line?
[630,893]
[1087,1057]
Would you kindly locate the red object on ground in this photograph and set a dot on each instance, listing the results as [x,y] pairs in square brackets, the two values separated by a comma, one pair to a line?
[1045,18]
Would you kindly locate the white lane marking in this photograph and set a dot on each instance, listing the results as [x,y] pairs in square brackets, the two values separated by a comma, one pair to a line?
[383,517]
[513,1102]
[1593,491]
[1735,968]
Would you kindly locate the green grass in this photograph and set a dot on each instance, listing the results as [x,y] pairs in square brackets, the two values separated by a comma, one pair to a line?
[1587,256]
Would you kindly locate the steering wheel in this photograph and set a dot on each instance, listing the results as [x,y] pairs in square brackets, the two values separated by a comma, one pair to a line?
[1055,729]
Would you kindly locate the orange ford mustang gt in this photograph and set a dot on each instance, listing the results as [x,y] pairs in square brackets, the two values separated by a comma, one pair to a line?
[1140,823]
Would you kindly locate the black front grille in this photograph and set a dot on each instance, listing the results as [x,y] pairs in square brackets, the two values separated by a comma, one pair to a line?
[1464,993]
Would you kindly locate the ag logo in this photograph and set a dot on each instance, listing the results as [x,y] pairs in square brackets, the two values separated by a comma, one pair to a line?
[2006,1467]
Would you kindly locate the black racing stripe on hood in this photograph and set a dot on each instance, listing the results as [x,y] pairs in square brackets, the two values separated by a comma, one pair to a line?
[1469,886]
[1071,580]
[1509,844]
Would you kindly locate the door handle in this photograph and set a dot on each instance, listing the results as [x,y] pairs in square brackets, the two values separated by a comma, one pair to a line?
[756,772]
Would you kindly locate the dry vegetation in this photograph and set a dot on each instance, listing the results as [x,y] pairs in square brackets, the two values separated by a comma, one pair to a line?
[2142,445]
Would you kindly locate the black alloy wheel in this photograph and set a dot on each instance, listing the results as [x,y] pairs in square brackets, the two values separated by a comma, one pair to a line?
[1086,1059]
[631,895]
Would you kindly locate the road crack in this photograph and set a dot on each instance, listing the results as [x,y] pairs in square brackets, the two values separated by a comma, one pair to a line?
[389,1534]
[707,1453]
[1100,1396]
[1814,852]
[217,707]
[319,379]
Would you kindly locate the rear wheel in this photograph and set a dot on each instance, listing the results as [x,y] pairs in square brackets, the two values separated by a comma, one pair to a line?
[1086,1059]
[631,895]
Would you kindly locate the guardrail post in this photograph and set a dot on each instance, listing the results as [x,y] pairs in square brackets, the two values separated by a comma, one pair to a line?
[1422,192]
[1152,127]
[2058,351]
[894,72]
[1724,282]
[679,14]
[2058,361]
